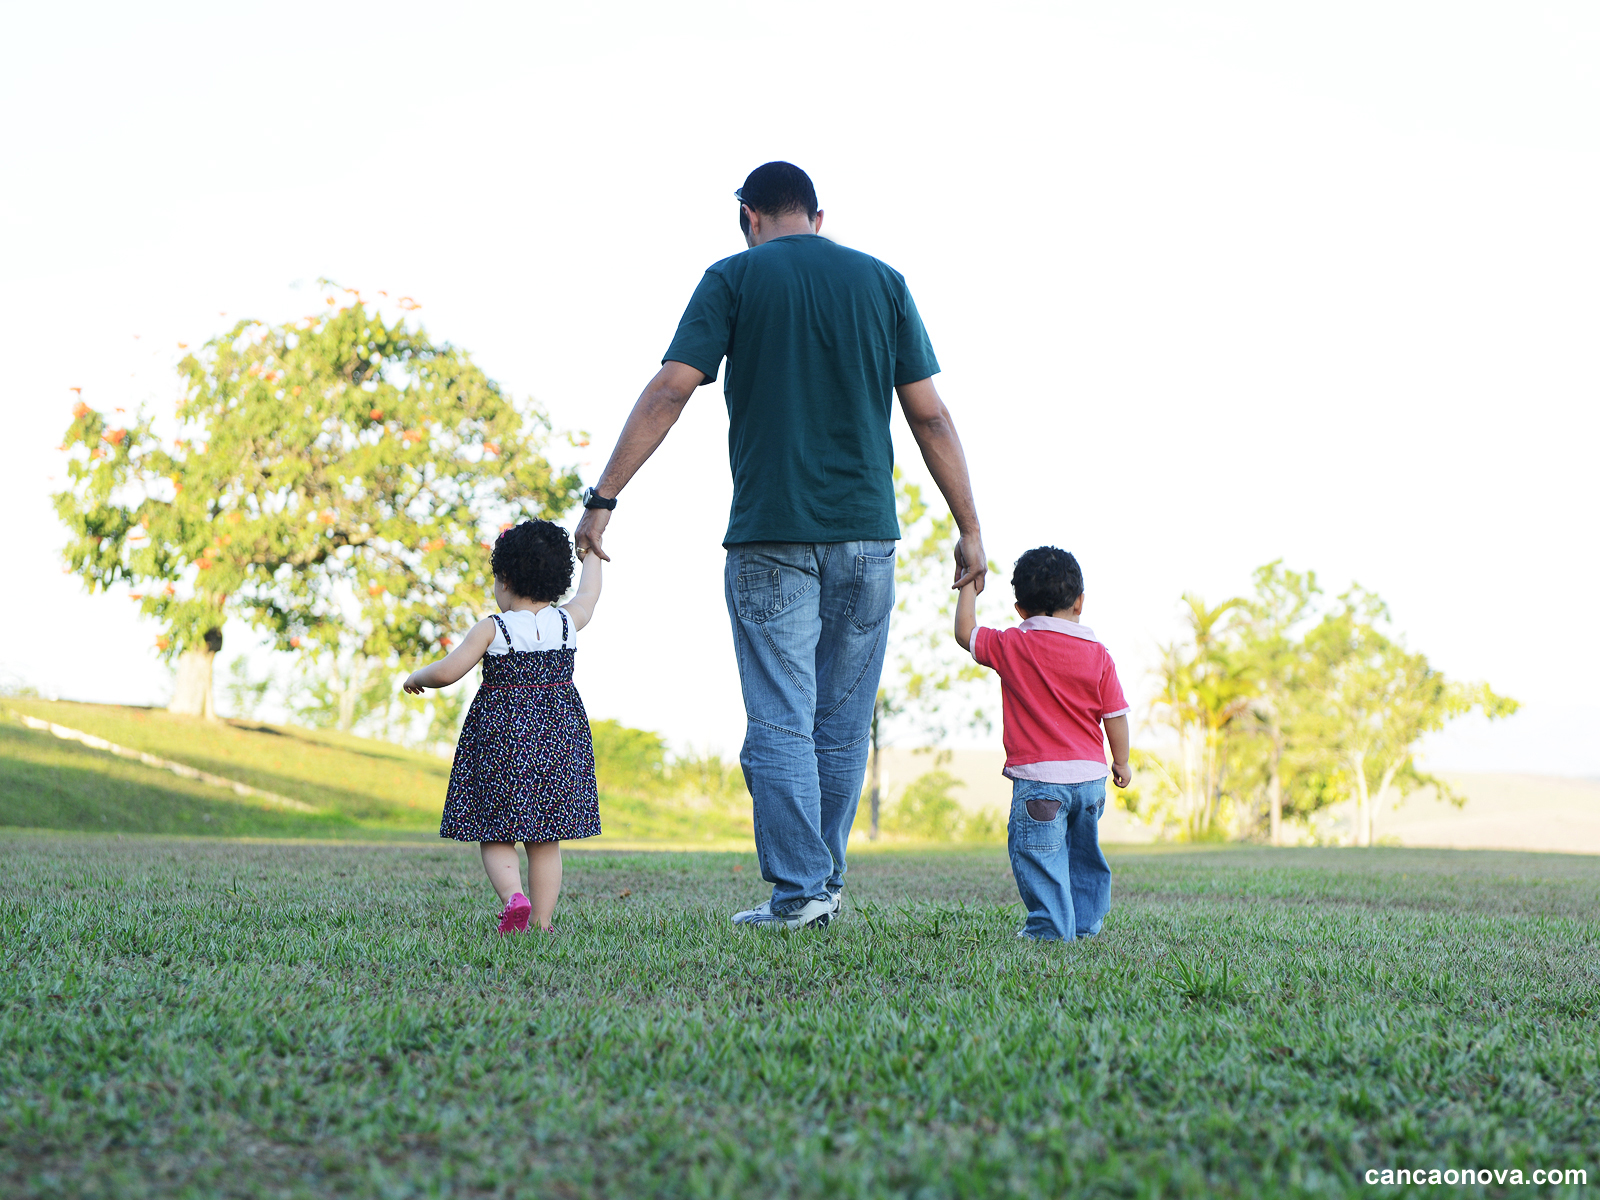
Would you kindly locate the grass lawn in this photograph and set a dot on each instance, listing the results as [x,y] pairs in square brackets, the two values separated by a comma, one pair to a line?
[193,1016]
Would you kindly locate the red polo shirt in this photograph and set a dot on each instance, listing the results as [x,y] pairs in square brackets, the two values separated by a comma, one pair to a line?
[1057,684]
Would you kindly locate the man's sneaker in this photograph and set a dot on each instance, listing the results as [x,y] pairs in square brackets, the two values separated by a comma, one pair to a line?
[838,903]
[813,914]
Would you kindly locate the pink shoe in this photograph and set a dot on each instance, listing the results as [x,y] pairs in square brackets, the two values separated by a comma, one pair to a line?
[515,917]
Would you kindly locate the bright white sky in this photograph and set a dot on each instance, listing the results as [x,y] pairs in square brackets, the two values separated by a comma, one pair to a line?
[1209,288]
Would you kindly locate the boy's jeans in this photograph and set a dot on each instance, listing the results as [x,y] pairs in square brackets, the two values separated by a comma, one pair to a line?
[1063,877]
[810,625]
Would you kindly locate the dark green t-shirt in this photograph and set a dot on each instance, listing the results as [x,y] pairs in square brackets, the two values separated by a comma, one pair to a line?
[816,337]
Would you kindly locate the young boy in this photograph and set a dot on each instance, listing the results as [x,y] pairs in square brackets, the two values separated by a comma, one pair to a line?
[1058,685]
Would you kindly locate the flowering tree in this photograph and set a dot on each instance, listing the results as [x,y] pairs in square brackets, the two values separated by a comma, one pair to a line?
[335,482]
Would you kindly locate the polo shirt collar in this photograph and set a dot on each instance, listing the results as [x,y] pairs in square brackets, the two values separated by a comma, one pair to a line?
[1059,625]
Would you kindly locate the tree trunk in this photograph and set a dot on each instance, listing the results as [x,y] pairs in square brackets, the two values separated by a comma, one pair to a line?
[1219,781]
[1372,809]
[1275,791]
[347,696]
[1358,768]
[1192,796]
[349,686]
[191,692]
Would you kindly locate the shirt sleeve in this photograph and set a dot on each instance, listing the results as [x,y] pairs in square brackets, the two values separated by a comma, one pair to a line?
[1112,702]
[913,353]
[705,327]
[983,647]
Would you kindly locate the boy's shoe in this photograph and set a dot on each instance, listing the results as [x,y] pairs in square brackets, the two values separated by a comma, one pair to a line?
[813,914]
[838,903]
[515,918]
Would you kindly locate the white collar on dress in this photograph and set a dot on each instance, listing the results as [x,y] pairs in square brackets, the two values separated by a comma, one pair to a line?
[1060,625]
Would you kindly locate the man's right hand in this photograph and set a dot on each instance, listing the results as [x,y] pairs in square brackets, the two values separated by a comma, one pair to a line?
[591,528]
[971,564]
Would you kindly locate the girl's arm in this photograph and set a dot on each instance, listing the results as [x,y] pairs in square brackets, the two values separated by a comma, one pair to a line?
[455,664]
[967,614]
[581,607]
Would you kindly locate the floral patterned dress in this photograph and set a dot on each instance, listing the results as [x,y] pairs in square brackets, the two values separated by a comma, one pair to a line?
[524,765]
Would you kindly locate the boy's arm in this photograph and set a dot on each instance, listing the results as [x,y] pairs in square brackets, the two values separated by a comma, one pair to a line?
[1117,735]
[455,664]
[966,614]
[581,607]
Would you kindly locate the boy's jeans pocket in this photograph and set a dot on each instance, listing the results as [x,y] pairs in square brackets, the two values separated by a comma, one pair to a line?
[1043,810]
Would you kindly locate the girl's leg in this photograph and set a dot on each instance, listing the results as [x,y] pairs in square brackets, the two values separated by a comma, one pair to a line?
[544,879]
[500,861]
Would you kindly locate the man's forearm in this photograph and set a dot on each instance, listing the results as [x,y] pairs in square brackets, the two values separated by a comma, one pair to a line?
[655,412]
[941,450]
[947,463]
[936,436]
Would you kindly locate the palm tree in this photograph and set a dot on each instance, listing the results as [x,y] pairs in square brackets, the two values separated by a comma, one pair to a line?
[1206,684]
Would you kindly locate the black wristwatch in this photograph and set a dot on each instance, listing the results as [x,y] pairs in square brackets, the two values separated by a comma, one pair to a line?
[593,499]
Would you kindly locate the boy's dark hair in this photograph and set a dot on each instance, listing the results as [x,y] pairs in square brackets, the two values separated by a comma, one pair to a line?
[775,188]
[1047,579]
[534,560]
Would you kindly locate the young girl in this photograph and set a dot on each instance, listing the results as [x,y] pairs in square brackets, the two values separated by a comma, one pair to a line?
[524,766]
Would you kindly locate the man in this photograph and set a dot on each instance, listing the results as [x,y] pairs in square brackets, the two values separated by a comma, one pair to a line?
[817,337]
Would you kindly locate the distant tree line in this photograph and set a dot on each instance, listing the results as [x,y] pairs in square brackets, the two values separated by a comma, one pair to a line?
[336,482]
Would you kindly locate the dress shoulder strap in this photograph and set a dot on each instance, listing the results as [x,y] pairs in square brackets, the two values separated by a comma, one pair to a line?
[504,632]
[565,634]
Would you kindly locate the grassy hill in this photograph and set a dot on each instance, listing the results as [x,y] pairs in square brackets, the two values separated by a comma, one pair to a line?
[46,783]
[359,786]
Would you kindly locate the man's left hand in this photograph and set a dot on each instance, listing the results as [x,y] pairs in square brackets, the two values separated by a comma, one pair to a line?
[591,528]
[972,566]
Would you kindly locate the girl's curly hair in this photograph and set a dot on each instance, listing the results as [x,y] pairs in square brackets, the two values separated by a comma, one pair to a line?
[534,560]
[1047,580]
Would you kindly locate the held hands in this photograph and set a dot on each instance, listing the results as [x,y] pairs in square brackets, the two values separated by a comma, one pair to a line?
[972,566]
[591,528]
[1121,774]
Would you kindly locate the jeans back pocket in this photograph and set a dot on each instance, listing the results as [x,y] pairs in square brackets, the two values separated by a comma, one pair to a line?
[758,594]
[1043,810]
[1037,820]
[872,595]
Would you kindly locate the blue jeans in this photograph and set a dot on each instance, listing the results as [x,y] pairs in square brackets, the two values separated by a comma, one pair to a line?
[1054,843]
[810,626]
